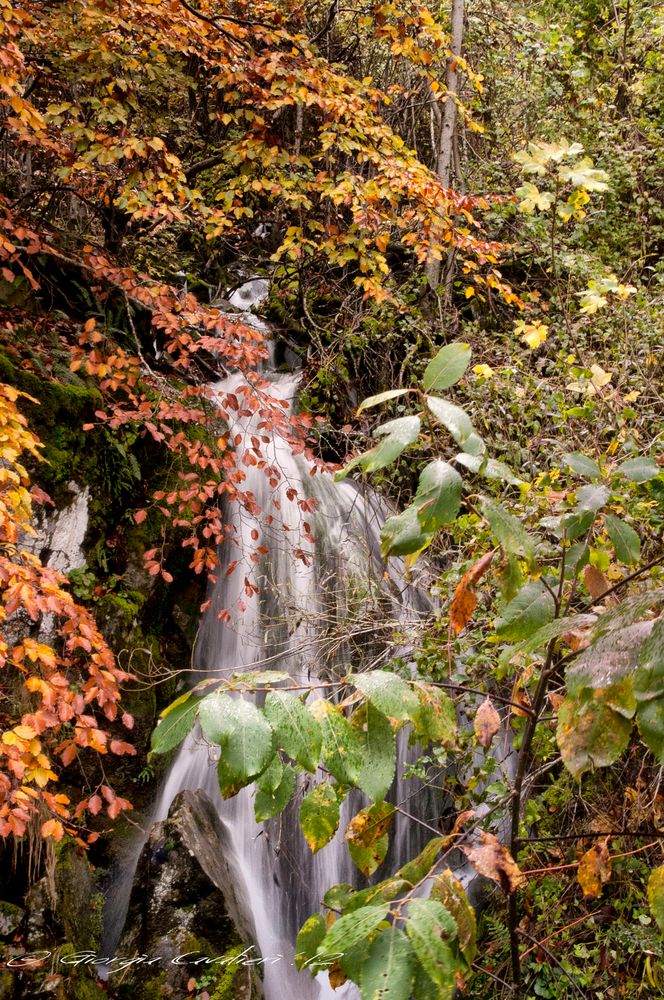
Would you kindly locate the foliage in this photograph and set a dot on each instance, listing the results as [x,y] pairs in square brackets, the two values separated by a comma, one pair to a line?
[53,654]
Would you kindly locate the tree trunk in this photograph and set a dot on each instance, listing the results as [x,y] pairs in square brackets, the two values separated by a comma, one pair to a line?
[446,132]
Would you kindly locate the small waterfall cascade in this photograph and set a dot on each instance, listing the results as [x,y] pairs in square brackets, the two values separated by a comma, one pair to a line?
[325,603]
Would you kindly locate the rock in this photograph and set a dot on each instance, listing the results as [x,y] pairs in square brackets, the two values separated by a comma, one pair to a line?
[10,917]
[180,910]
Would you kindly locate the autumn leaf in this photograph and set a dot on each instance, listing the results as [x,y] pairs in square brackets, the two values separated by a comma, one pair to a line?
[487,723]
[595,869]
[494,861]
[464,601]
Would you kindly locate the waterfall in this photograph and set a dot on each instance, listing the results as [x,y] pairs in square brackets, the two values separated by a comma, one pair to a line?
[325,602]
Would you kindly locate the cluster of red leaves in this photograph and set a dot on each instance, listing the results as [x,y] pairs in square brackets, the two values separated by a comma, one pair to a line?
[62,685]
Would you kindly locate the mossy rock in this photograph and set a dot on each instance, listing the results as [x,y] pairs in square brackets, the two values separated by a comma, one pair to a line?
[10,917]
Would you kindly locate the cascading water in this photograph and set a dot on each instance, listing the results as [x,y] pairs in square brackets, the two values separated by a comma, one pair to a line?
[324,600]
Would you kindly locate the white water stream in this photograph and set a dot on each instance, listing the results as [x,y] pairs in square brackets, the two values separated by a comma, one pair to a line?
[314,617]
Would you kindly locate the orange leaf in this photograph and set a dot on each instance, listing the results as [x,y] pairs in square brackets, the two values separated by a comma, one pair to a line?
[495,862]
[464,601]
[595,869]
[53,828]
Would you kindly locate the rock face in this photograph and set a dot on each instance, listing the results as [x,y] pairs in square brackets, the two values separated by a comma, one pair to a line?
[179,913]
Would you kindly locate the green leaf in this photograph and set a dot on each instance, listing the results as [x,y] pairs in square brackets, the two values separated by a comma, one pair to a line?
[532,608]
[577,523]
[387,692]
[270,779]
[488,467]
[625,540]
[338,896]
[402,534]
[508,530]
[449,891]
[438,496]
[381,397]
[458,423]
[649,691]
[389,969]
[258,679]
[319,815]
[543,636]
[435,719]
[342,748]
[367,836]
[628,611]
[582,464]
[656,895]
[639,470]
[296,731]
[447,367]
[270,802]
[245,739]
[590,734]
[308,941]
[351,929]
[591,497]
[415,870]
[379,751]
[609,659]
[431,929]
[426,989]
[177,722]
[397,436]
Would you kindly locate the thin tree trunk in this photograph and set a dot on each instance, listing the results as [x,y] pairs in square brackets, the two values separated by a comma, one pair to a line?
[444,156]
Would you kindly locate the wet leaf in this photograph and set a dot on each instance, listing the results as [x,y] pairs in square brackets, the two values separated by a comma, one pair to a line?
[270,802]
[389,968]
[244,737]
[435,719]
[175,725]
[319,815]
[582,464]
[379,753]
[351,929]
[342,747]
[458,423]
[432,929]
[308,941]
[590,734]
[639,470]
[649,690]
[449,891]
[367,836]
[387,692]
[381,397]
[296,731]
[402,534]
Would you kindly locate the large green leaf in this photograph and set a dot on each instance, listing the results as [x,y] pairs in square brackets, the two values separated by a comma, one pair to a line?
[625,540]
[270,802]
[438,496]
[351,929]
[582,465]
[308,941]
[639,470]
[432,929]
[342,747]
[609,659]
[649,690]
[543,636]
[402,534]
[488,467]
[387,692]
[458,423]
[367,836]
[447,367]
[591,498]
[656,895]
[396,436]
[628,611]
[389,968]
[296,731]
[449,891]
[414,871]
[381,397]
[245,739]
[379,751]
[175,724]
[508,530]
[435,719]
[532,608]
[319,815]
[591,733]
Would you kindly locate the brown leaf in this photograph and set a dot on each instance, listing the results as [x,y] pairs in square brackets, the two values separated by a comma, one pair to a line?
[487,723]
[464,601]
[595,581]
[337,976]
[495,862]
[595,869]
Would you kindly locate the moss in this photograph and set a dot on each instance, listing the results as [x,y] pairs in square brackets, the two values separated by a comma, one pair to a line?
[225,986]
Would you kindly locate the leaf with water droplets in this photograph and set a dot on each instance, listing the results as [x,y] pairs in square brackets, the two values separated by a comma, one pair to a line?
[389,968]
[308,941]
[351,929]
[367,836]
[432,929]
[296,731]
[319,815]
[244,737]
[379,753]
[270,802]
[591,734]
[387,692]
[342,748]
[449,891]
